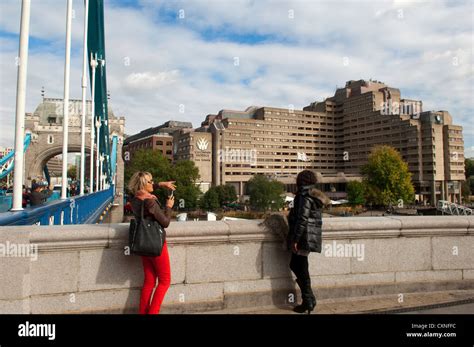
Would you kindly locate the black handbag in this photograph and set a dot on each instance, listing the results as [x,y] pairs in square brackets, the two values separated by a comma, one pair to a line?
[146,236]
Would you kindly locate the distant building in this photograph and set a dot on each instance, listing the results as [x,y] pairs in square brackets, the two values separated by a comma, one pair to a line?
[5,151]
[55,166]
[157,138]
[367,113]
[46,127]
[197,147]
[333,138]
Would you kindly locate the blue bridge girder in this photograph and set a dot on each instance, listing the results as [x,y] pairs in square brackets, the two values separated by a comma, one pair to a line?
[85,209]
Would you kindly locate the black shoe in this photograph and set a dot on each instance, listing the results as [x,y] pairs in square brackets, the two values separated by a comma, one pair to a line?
[309,300]
[306,306]
[313,300]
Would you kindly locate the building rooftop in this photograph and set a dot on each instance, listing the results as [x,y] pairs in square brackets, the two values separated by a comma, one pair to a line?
[248,113]
[164,129]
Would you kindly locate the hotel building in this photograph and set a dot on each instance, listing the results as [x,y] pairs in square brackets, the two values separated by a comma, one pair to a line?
[333,138]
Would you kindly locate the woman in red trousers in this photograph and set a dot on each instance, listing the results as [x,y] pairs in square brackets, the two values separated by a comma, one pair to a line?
[141,186]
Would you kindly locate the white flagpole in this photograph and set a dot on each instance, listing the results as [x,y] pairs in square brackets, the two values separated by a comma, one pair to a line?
[101,175]
[98,155]
[84,91]
[93,66]
[97,162]
[67,66]
[20,107]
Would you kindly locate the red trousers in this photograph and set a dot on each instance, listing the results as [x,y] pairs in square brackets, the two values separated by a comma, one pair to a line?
[153,268]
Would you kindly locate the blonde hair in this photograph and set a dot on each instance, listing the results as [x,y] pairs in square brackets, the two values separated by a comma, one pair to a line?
[138,181]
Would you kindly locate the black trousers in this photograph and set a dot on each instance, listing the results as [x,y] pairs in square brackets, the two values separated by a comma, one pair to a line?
[299,266]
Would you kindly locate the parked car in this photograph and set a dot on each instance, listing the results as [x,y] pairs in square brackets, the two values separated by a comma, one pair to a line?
[233,206]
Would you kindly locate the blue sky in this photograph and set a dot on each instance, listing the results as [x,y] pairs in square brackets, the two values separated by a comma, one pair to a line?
[163,54]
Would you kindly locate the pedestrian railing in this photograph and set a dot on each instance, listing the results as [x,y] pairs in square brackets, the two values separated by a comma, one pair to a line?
[85,209]
[453,209]
[6,201]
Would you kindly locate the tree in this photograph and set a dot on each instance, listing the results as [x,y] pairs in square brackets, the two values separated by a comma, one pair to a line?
[152,161]
[386,177]
[468,185]
[218,196]
[186,196]
[71,172]
[466,189]
[355,193]
[265,194]
[187,193]
[469,167]
[184,172]
[210,200]
[226,194]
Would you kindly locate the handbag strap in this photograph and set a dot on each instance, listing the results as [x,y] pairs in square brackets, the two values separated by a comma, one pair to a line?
[141,211]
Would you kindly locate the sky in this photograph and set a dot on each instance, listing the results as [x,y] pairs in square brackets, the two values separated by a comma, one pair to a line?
[182,60]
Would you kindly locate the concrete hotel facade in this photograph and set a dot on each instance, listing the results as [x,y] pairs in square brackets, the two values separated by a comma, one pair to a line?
[158,138]
[332,138]
[196,146]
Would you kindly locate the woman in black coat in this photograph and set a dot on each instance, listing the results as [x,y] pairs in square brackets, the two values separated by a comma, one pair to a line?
[305,224]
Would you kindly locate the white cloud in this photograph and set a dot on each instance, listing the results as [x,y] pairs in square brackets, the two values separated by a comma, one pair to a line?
[155,64]
[469,152]
[149,80]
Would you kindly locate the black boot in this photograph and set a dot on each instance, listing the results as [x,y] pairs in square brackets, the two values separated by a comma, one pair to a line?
[309,300]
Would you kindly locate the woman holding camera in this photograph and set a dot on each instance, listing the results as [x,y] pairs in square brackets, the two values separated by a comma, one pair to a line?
[141,186]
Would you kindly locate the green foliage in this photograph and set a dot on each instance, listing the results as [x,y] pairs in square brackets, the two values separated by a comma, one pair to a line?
[355,193]
[387,179]
[265,194]
[226,194]
[71,172]
[218,196]
[187,196]
[469,167]
[187,193]
[466,188]
[152,161]
[184,172]
[468,185]
[210,200]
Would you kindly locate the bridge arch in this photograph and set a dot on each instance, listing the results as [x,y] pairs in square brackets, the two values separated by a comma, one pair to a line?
[35,162]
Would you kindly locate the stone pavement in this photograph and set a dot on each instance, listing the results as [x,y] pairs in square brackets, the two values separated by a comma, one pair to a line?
[458,309]
[429,302]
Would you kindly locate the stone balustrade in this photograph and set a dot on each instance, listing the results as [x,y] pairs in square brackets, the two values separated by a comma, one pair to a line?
[228,264]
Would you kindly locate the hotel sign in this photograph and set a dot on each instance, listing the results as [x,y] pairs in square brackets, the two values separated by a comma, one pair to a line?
[202,144]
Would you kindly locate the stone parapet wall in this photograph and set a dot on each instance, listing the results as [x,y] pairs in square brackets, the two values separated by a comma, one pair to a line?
[224,264]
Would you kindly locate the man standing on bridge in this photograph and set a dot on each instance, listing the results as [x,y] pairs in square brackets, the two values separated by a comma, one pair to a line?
[39,194]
